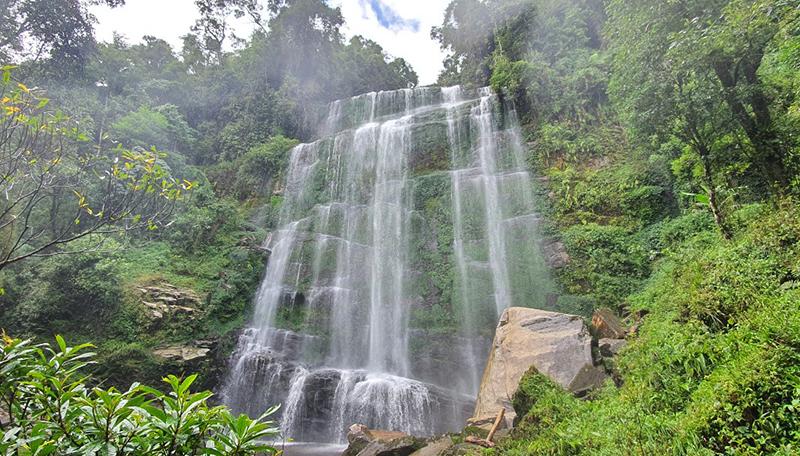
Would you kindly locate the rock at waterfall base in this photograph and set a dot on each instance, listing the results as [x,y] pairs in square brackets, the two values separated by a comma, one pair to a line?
[436,447]
[555,344]
[610,347]
[607,325]
[371,442]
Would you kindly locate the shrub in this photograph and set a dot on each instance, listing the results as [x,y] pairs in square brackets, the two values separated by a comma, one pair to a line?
[608,262]
[52,410]
[714,369]
[261,164]
[65,292]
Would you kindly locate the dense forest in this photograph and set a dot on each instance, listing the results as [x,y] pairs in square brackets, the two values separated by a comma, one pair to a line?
[666,139]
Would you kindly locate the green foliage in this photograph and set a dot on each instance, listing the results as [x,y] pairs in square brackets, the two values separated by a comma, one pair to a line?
[164,127]
[628,194]
[260,165]
[62,189]
[714,369]
[53,410]
[62,29]
[608,262]
[124,363]
[64,293]
[697,75]
[539,404]
[197,228]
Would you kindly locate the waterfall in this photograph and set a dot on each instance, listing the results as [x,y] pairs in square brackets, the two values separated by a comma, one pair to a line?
[404,233]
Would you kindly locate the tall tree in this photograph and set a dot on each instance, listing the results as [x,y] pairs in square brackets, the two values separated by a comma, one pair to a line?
[700,49]
[213,27]
[61,30]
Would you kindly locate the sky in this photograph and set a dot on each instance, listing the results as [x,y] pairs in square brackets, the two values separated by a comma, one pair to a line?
[401,27]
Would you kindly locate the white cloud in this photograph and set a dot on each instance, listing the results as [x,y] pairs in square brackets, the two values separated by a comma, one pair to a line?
[165,19]
[415,46]
[171,19]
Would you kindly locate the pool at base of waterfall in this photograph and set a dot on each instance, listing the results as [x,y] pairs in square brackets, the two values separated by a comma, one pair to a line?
[311,449]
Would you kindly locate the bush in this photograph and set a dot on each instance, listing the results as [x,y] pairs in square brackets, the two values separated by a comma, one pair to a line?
[608,262]
[714,369]
[52,410]
[65,292]
[261,164]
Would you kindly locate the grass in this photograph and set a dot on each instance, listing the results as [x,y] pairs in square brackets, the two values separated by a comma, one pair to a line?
[716,366]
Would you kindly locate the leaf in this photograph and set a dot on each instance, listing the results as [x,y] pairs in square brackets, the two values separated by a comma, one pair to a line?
[61,343]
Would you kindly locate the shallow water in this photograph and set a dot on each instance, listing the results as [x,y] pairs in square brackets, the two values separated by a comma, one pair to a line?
[311,449]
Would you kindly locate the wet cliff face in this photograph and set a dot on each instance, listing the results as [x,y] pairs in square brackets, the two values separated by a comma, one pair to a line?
[405,231]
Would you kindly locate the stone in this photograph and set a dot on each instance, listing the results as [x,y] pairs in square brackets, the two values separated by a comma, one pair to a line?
[371,442]
[5,417]
[435,448]
[403,446]
[607,325]
[558,345]
[181,353]
[483,422]
[610,347]
[555,254]
[638,320]
[358,437]
[165,300]
[159,310]
[589,378]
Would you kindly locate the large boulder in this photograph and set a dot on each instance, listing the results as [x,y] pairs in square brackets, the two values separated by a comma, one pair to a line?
[435,447]
[558,345]
[610,347]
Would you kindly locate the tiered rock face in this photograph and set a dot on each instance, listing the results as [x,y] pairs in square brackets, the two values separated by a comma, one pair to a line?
[557,345]
[412,210]
[165,300]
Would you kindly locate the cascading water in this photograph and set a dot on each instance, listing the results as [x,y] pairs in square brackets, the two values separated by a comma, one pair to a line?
[404,232]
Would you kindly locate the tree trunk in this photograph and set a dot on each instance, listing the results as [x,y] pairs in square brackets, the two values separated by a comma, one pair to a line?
[713,200]
[758,126]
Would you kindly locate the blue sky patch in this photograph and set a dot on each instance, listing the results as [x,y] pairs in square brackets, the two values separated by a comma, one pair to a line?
[389,19]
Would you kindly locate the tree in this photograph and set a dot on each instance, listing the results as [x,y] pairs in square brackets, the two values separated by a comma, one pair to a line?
[212,26]
[706,50]
[59,29]
[59,187]
[304,35]
[467,36]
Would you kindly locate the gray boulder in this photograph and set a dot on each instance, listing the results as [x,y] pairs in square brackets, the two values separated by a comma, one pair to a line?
[181,353]
[436,447]
[610,347]
[558,345]
[555,254]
